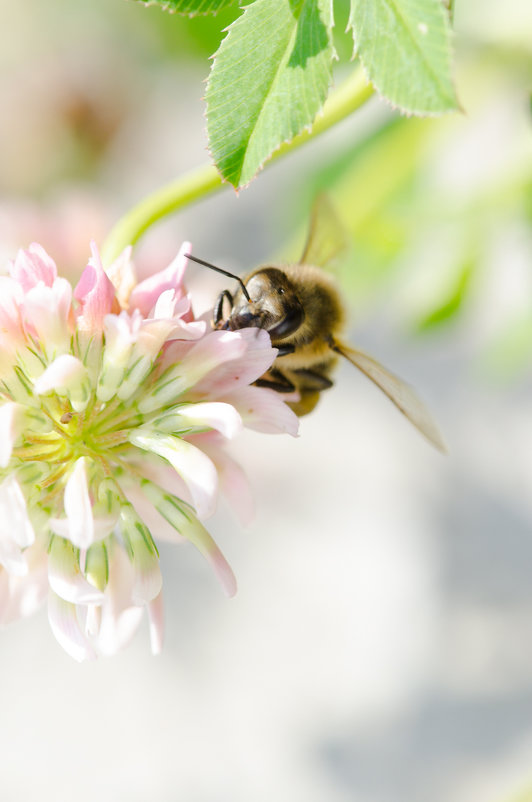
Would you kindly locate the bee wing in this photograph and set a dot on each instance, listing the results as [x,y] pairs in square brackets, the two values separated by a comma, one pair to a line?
[402,395]
[327,237]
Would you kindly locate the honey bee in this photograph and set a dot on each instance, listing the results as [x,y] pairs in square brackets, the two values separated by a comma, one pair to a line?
[300,307]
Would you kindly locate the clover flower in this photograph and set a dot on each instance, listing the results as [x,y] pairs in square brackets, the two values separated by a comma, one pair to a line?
[115,408]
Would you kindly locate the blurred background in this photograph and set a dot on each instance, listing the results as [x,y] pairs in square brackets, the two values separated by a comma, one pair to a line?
[380,646]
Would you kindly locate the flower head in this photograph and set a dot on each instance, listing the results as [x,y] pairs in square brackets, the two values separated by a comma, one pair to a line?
[115,408]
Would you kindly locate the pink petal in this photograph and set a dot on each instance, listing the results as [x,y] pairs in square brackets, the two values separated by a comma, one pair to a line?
[11,426]
[199,359]
[142,552]
[156,623]
[46,315]
[198,535]
[66,372]
[234,484]
[196,469]
[213,350]
[145,294]
[120,332]
[152,335]
[64,623]
[257,356]
[96,294]
[192,330]
[65,575]
[117,628]
[11,298]
[119,619]
[159,527]
[148,579]
[15,524]
[118,593]
[21,596]
[169,305]
[12,558]
[193,530]
[79,524]
[32,266]
[203,415]
[122,275]
[264,410]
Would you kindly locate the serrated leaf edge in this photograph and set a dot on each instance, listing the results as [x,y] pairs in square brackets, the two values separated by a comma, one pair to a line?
[409,112]
[167,9]
[306,128]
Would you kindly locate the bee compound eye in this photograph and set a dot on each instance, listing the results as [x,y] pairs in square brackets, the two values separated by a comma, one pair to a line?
[291,321]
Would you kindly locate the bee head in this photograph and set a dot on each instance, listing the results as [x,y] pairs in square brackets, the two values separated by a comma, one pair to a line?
[273,304]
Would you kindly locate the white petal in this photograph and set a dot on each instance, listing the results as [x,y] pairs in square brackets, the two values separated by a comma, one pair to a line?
[11,424]
[156,623]
[122,274]
[205,355]
[158,526]
[46,312]
[223,571]
[119,617]
[15,524]
[255,359]
[120,333]
[151,338]
[186,523]
[144,296]
[205,415]
[78,507]
[234,484]
[104,525]
[198,535]
[169,305]
[148,579]
[93,619]
[194,467]
[118,592]
[21,596]
[264,410]
[4,596]
[63,372]
[12,558]
[65,575]
[117,628]
[137,371]
[64,623]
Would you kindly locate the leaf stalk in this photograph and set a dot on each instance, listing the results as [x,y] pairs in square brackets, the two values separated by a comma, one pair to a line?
[205,180]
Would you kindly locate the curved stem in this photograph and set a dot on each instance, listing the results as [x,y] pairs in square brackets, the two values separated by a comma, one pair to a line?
[205,180]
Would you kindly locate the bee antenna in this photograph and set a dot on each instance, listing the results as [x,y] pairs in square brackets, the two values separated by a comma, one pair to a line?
[220,270]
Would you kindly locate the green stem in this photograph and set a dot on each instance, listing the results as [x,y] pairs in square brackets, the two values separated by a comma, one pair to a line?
[205,180]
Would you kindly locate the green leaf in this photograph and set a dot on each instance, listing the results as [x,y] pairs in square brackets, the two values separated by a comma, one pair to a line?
[190,7]
[405,47]
[269,79]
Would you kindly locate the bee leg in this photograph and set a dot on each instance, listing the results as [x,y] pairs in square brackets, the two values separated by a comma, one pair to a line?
[312,380]
[219,308]
[283,350]
[275,380]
